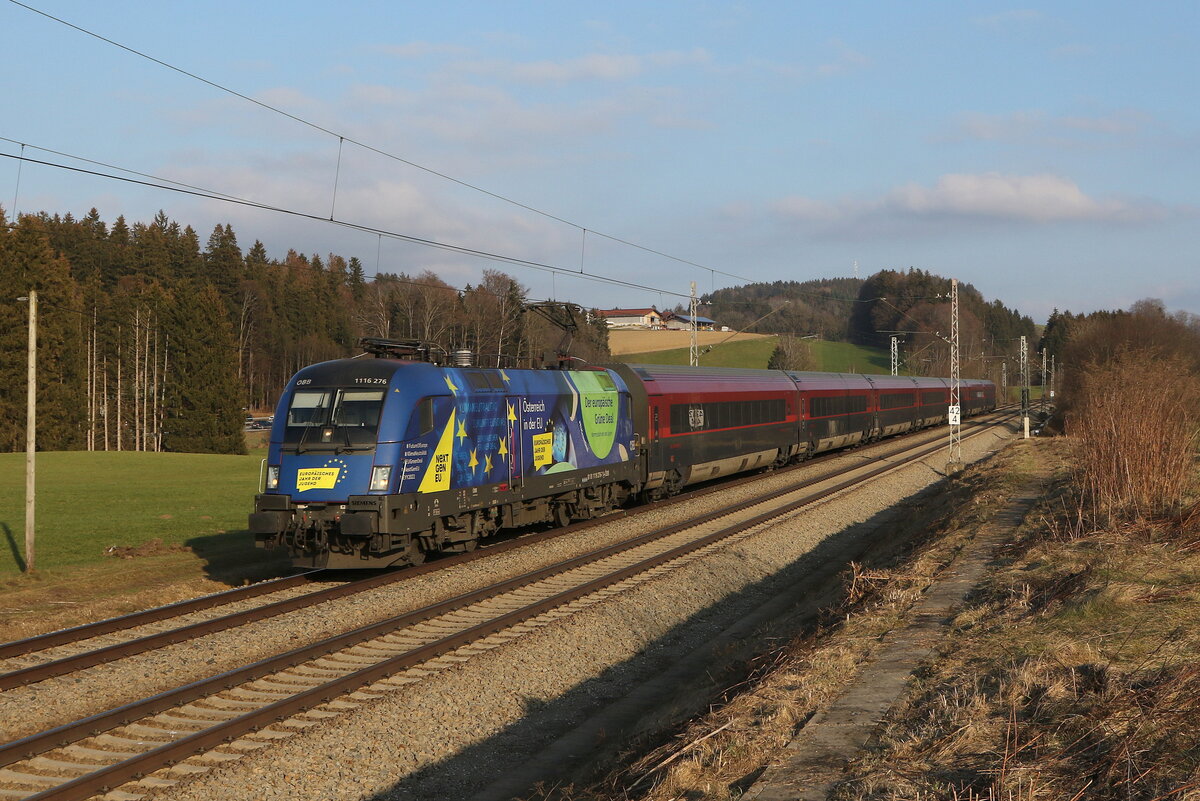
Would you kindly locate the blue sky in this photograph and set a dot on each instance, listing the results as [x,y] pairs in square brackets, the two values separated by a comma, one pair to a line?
[1049,154]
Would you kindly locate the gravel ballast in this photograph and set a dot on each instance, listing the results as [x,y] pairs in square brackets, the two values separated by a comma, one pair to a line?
[464,727]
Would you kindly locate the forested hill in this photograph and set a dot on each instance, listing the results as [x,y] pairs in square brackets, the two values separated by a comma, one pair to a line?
[811,307]
[151,340]
[913,305]
[918,301]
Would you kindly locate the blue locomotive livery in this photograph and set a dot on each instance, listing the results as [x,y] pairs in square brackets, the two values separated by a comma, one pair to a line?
[376,462]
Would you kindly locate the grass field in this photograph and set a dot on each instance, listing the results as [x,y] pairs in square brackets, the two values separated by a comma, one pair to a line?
[838,357]
[88,502]
[842,357]
[739,353]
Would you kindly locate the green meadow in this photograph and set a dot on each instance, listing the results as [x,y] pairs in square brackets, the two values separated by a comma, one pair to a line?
[89,502]
[839,357]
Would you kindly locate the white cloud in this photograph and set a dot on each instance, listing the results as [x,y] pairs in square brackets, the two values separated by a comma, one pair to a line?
[595,66]
[415,50]
[843,60]
[847,60]
[989,127]
[990,196]
[1032,198]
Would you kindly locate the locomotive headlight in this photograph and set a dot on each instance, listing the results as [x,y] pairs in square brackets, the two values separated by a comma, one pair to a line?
[381,476]
[272,476]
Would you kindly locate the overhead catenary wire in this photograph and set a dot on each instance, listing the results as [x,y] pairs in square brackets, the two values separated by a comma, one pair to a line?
[343,139]
[173,186]
[433,243]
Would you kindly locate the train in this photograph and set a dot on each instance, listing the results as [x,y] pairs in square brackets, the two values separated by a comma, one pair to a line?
[380,462]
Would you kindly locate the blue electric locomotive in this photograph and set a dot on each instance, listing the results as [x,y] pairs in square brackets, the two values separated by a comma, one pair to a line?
[376,462]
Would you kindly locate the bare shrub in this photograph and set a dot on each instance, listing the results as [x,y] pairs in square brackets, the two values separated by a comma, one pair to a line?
[1135,418]
[792,353]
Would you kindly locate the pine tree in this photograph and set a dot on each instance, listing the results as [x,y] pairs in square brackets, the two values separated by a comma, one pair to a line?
[357,279]
[223,261]
[27,261]
[204,413]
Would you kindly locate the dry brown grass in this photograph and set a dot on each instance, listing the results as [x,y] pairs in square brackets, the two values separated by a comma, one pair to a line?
[720,755]
[1135,420]
[1075,673]
[640,341]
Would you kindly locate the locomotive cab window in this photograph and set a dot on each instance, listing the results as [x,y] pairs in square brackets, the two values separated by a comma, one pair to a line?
[309,408]
[341,418]
[358,408]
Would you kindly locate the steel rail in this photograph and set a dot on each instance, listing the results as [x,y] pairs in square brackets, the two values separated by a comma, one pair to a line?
[64,665]
[63,735]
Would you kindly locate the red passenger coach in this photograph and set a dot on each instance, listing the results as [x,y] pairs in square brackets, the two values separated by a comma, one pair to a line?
[698,423]
[977,396]
[693,424]
[838,409]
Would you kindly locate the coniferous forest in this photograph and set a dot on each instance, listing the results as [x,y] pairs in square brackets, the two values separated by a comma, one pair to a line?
[150,339]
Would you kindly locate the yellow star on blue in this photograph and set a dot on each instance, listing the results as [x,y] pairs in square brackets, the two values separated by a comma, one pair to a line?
[450,384]
[462,432]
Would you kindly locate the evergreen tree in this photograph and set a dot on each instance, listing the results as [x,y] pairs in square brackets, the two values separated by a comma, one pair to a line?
[27,261]
[204,413]
[357,278]
[256,260]
[223,261]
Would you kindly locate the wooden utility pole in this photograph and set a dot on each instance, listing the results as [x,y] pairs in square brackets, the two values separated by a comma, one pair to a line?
[30,430]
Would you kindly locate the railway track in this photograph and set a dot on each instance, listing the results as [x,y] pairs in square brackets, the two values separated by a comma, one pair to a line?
[303,686]
[49,655]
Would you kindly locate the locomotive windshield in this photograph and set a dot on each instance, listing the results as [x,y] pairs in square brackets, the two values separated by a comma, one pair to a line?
[340,419]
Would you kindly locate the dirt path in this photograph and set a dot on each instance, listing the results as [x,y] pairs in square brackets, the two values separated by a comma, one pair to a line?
[815,760]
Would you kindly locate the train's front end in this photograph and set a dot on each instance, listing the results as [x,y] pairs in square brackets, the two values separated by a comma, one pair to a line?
[330,443]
